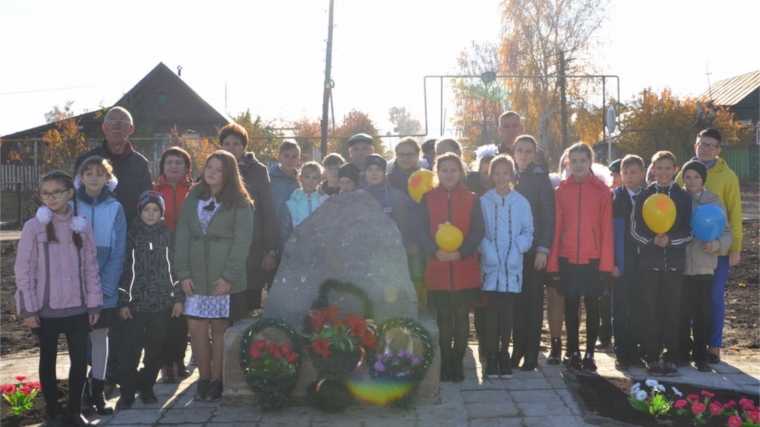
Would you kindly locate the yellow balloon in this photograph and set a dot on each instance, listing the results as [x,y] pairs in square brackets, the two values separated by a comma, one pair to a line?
[449,237]
[420,182]
[659,213]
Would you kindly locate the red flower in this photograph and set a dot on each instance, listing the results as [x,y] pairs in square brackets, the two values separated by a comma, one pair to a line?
[318,320]
[35,385]
[256,348]
[715,408]
[698,408]
[285,351]
[369,340]
[321,346]
[272,348]
[8,389]
[707,393]
[680,404]
[20,378]
[692,397]
[332,313]
[747,404]
[754,416]
[730,404]
[734,421]
[25,390]
[357,324]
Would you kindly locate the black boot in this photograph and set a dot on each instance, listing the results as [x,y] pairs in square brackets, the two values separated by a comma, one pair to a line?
[445,365]
[55,416]
[492,366]
[505,366]
[555,352]
[531,362]
[457,366]
[87,403]
[99,398]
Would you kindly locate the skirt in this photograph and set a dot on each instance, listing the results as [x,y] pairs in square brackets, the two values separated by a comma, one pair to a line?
[456,299]
[579,280]
[108,316]
[77,324]
[208,306]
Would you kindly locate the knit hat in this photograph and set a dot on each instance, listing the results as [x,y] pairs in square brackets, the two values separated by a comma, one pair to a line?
[350,171]
[615,166]
[150,196]
[360,137]
[697,166]
[375,159]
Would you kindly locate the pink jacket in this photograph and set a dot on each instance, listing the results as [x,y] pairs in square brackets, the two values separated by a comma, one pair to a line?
[56,279]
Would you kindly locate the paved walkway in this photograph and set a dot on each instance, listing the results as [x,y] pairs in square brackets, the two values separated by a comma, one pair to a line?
[539,398]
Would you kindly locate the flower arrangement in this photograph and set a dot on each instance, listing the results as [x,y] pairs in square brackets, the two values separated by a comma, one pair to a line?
[271,360]
[398,364]
[702,409]
[20,396]
[653,401]
[330,332]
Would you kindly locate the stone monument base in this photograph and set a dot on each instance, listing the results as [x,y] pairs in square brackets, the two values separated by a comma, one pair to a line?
[236,387]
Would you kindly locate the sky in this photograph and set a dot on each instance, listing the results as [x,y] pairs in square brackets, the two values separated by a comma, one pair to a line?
[270,55]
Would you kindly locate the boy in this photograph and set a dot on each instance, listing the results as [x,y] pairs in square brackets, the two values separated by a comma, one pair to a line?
[284,176]
[632,174]
[332,162]
[348,178]
[148,296]
[605,301]
[303,202]
[701,261]
[662,259]
[391,200]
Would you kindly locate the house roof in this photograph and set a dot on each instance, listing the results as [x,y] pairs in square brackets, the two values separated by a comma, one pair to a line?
[731,91]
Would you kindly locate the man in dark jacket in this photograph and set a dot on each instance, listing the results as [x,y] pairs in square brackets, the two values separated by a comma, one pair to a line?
[510,127]
[129,166]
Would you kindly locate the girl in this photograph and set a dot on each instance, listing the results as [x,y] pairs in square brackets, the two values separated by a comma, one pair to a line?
[581,259]
[211,246]
[94,182]
[533,182]
[58,290]
[451,278]
[302,202]
[509,234]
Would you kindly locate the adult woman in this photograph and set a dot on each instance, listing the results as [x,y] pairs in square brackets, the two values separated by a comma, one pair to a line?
[174,183]
[533,183]
[452,278]
[211,246]
[262,256]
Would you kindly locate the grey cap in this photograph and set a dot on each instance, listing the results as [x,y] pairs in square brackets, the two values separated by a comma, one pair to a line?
[360,137]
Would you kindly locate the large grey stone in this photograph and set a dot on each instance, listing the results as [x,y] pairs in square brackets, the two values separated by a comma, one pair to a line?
[351,239]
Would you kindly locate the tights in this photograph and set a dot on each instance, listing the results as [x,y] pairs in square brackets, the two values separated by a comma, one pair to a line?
[77,371]
[499,314]
[572,322]
[453,323]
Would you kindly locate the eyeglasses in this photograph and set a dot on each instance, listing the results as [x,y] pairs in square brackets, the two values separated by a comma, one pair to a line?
[56,194]
[174,162]
[407,155]
[707,146]
[112,122]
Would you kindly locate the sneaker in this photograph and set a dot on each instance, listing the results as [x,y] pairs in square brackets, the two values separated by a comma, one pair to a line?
[214,392]
[505,366]
[553,358]
[506,373]
[654,369]
[566,359]
[603,344]
[167,375]
[201,389]
[669,369]
[621,365]
[574,363]
[124,402]
[492,366]
[181,370]
[703,366]
[713,358]
[148,398]
[588,365]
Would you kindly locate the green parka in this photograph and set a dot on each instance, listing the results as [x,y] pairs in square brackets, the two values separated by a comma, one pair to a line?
[220,253]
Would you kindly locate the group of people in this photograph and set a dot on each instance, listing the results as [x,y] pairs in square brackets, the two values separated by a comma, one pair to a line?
[120,263]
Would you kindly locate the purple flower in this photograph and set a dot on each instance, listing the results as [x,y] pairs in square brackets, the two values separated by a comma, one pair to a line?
[379,367]
[415,361]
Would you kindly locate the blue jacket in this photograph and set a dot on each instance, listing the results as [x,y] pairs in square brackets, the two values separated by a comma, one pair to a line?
[509,234]
[283,187]
[298,208]
[109,225]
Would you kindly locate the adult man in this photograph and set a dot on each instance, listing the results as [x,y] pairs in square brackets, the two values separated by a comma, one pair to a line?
[359,147]
[722,181]
[510,127]
[129,166]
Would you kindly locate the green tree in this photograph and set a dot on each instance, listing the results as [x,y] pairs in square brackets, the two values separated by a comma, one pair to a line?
[262,136]
[64,142]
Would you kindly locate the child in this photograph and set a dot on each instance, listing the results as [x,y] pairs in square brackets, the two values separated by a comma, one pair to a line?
[451,278]
[94,182]
[509,234]
[605,301]
[303,202]
[391,200]
[58,290]
[284,175]
[632,172]
[148,297]
[533,182]
[662,259]
[348,178]
[581,259]
[214,234]
[701,261]
[332,162]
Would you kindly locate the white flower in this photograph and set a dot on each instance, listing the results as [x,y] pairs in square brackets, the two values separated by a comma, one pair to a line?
[641,395]
[677,393]
[651,383]
[44,214]
[660,387]
[78,224]
[635,389]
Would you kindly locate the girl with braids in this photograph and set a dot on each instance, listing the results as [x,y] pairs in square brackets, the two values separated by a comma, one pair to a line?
[58,290]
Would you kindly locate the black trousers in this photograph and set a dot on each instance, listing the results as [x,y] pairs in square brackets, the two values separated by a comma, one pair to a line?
[77,343]
[695,316]
[605,316]
[143,331]
[625,310]
[499,316]
[176,340]
[572,323]
[660,295]
[529,310]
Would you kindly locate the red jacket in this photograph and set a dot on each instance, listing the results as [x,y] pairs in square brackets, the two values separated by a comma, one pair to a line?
[583,217]
[461,208]
[173,199]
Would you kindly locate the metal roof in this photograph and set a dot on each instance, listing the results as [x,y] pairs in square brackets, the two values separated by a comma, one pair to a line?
[731,91]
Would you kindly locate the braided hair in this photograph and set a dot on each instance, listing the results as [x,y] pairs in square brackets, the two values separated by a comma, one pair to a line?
[68,184]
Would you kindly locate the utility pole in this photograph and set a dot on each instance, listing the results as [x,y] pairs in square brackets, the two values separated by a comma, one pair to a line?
[328,82]
[563,98]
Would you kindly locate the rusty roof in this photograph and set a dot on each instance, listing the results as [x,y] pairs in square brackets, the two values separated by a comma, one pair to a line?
[731,91]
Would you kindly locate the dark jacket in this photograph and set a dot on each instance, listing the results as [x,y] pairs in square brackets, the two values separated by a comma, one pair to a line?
[148,284]
[265,226]
[327,190]
[283,187]
[626,251]
[131,168]
[534,184]
[540,159]
[673,256]
[394,204]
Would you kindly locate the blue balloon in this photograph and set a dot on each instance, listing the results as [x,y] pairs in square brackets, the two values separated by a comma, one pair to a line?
[708,222]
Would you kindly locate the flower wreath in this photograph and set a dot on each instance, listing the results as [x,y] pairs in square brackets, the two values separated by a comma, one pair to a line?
[272,393]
